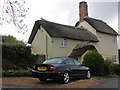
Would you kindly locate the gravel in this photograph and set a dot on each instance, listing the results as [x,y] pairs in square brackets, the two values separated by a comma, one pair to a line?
[29,82]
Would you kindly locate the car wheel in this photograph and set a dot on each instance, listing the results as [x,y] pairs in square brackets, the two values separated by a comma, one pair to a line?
[66,78]
[88,74]
[42,79]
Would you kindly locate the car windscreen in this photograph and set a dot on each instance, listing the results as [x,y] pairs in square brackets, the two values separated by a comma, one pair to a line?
[53,61]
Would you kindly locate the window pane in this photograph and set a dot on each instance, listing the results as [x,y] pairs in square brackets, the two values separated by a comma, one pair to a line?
[114,58]
[63,42]
[70,62]
[76,62]
[114,40]
[53,61]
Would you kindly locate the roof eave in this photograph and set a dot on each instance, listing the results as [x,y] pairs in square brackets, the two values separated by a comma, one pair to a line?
[77,39]
[109,33]
[34,31]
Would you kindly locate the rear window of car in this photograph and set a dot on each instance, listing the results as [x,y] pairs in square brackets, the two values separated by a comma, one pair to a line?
[53,61]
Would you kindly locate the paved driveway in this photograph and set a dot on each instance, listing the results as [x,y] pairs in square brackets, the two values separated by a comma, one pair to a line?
[29,82]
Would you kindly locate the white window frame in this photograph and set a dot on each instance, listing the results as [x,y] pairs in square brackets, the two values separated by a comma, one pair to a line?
[63,42]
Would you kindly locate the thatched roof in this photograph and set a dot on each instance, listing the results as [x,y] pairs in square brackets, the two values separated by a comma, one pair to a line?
[62,31]
[99,26]
[80,49]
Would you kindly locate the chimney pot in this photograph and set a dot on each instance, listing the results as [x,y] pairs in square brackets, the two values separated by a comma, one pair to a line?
[83,10]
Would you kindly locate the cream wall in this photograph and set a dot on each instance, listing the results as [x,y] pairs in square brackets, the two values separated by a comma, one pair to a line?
[54,49]
[42,43]
[63,51]
[106,45]
[81,59]
[88,26]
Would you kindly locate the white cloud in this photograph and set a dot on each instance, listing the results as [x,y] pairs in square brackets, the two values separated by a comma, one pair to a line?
[114,23]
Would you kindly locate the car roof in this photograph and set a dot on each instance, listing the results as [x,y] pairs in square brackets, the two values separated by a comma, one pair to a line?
[64,57]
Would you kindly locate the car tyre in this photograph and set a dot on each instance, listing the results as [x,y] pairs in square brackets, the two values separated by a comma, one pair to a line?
[42,79]
[88,74]
[66,78]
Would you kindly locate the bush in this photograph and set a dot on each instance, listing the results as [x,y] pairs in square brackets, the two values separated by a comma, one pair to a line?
[16,73]
[116,69]
[8,65]
[16,57]
[111,68]
[108,68]
[95,61]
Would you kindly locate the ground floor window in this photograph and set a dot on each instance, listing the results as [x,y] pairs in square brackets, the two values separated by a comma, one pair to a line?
[114,57]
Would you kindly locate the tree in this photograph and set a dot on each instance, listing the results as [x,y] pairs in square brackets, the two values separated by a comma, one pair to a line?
[13,11]
[11,40]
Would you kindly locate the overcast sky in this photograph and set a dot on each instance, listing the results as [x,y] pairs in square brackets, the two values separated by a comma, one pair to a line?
[65,12]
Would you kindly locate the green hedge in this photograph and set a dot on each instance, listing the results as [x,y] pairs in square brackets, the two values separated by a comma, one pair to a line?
[16,73]
[16,57]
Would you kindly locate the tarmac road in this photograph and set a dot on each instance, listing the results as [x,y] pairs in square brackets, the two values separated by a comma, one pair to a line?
[109,83]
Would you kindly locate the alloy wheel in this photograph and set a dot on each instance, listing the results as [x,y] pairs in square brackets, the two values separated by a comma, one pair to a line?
[66,77]
[88,74]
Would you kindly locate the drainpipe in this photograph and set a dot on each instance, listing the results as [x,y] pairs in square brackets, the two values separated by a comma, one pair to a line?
[46,47]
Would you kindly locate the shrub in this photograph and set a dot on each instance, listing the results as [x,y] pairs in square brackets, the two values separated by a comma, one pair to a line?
[16,73]
[108,68]
[95,61]
[17,57]
[8,65]
[116,69]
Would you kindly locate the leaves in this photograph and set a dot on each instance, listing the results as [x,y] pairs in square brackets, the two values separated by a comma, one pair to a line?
[11,40]
[95,61]
[17,57]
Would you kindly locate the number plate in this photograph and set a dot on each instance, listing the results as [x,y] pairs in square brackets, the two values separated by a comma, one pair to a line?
[42,68]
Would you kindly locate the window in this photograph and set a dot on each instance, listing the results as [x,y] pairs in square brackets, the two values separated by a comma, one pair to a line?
[76,62]
[114,57]
[53,61]
[70,62]
[64,42]
[114,40]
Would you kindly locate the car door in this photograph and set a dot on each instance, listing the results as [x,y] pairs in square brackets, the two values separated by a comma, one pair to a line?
[72,67]
[79,68]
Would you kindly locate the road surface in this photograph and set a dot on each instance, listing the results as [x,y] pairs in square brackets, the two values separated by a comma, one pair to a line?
[109,83]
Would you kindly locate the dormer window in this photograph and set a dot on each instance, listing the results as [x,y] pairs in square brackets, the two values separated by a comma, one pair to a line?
[64,42]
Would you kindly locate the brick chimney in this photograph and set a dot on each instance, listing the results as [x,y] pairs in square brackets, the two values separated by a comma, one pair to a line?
[83,10]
